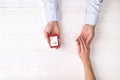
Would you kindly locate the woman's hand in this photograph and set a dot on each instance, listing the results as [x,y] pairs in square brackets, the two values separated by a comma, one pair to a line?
[83,49]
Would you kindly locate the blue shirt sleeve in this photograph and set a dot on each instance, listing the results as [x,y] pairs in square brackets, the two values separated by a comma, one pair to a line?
[51,10]
[92,11]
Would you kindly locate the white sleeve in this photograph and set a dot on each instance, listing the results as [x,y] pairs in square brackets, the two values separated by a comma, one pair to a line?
[92,11]
[51,10]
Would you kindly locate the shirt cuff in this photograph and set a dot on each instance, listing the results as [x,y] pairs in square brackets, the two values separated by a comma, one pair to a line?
[52,15]
[91,18]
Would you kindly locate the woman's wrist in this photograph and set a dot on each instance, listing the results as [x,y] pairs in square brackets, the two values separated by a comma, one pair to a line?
[87,61]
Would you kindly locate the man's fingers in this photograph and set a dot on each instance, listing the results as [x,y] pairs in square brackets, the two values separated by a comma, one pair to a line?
[47,37]
[59,41]
[89,40]
[83,35]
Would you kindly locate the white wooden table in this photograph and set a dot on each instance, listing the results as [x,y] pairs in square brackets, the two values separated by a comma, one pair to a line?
[25,55]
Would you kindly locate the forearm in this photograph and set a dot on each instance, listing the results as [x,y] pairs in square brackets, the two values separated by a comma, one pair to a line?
[51,10]
[92,11]
[89,73]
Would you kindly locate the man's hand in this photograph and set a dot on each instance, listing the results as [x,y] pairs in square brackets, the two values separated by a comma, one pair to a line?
[52,28]
[88,33]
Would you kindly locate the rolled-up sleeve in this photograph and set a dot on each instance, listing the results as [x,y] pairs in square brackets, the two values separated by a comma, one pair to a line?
[51,10]
[92,11]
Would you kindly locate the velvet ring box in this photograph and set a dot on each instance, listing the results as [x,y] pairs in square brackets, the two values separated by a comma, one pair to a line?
[53,40]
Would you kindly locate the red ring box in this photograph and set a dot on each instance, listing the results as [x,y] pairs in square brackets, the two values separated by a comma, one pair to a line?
[53,40]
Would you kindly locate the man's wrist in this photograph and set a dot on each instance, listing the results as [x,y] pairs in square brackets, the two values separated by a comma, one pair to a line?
[52,22]
[90,25]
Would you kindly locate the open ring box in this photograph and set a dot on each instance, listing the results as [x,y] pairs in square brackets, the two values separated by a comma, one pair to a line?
[53,40]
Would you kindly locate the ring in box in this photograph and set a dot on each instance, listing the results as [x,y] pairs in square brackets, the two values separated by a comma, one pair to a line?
[53,40]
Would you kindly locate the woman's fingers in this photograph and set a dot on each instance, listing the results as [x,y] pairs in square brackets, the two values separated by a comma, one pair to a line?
[78,46]
[77,41]
[83,42]
[81,45]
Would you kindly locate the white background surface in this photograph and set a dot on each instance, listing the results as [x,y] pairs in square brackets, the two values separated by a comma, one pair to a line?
[25,55]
